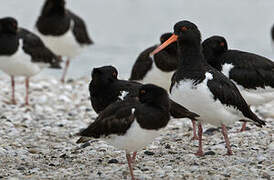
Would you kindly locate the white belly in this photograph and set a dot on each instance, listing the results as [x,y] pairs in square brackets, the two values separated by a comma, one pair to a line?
[158,77]
[19,64]
[136,138]
[199,99]
[65,45]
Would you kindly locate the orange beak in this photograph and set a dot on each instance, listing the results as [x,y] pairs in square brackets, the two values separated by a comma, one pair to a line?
[172,39]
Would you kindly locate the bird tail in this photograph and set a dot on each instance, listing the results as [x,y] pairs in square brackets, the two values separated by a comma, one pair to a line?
[178,111]
[83,140]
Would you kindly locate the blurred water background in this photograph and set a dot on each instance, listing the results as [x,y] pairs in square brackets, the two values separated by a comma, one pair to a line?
[121,29]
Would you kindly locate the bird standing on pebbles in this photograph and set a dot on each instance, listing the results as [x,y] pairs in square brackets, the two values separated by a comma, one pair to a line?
[22,53]
[203,89]
[131,125]
[253,74]
[64,32]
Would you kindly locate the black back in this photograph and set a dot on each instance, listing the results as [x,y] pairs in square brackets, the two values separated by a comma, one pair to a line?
[35,47]
[106,89]
[165,60]
[56,20]
[150,113]
[250,70]
[194,67]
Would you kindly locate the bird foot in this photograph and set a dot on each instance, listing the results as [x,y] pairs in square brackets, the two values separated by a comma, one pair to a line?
[10,102]
[229,153]
[199,153]
[194,138]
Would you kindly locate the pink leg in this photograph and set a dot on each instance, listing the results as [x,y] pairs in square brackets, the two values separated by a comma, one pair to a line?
[134,157]
[129,165]
[13,90]
[27,91]
[65,71]
[200,134]
[243,127]
[224,131]
[195,137]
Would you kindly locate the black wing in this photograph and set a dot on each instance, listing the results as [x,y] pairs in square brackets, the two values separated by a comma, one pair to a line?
[79,29]
[116,119]
[35,47]
[178,111]
[225,91]
[142,65]
[250,70]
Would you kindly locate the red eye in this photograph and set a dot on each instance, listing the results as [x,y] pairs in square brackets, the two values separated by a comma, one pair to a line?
[184,28]
[142,92]
[222,44]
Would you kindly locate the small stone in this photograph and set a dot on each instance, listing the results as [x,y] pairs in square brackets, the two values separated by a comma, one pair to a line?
[149,153]
[51,164]
[167,146]
[64,156]
[211,131]
[113,161]
[21,169]
[85,145]
[212,153]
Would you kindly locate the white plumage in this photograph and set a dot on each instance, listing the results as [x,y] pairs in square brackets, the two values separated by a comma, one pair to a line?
[19,64]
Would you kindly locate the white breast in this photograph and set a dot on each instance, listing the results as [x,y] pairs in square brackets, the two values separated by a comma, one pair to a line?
[158,77]
[200,100]
[19,64]
[254,97]
[135,138]
[64,45]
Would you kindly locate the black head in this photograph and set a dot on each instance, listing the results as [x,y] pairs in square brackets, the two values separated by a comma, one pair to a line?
[54,7]
[214,47]
[187,31]
[165,37]
[217,44]
[8,25]
[104,75]
[153,95]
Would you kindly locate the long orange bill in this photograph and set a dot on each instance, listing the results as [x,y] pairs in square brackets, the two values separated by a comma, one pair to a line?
[172,39]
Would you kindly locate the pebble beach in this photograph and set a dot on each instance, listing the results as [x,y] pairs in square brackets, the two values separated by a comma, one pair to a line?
[38,141]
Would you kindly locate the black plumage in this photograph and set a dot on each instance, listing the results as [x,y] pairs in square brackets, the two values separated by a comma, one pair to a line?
[106,89]
[165,60]
[249,70]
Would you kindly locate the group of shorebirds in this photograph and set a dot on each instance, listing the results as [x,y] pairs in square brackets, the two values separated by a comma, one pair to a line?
[203,81]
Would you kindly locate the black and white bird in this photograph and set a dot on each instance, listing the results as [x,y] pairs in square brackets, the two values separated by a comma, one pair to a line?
[22,53]
[131,125]
[201,88]
[157,69]
[105,88]
[253,74]
[63,32]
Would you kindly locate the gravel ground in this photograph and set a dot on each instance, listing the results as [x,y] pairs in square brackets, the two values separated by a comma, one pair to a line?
[38,142]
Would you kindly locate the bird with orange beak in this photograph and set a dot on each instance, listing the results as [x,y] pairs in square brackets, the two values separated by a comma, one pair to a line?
[201,88]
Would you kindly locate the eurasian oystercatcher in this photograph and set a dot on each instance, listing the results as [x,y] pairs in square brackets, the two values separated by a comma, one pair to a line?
[203,89]
[253,74]
[131,125]
[63,32]
[22,53]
